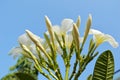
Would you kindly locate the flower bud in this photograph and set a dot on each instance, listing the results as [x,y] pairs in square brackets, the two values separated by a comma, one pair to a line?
[76,36]
[78,22]
[88,25]
[49,27]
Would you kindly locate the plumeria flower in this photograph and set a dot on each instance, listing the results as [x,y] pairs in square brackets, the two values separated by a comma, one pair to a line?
[16,51]
[25,40]
[65,29]
[66,26]
[100,37]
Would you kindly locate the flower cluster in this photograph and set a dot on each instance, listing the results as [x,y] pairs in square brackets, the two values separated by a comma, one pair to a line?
[64,40]
[66,30]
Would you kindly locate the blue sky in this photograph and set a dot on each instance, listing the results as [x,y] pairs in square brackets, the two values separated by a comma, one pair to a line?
[18,15]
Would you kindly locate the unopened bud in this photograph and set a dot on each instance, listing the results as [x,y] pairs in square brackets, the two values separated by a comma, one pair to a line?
[49,27]
[88,25]
[76,36]
[78,22]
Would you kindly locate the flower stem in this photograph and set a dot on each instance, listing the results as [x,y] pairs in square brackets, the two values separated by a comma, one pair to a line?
[67,73]
[44,74]
[67,69]
[74,69]
[51,73]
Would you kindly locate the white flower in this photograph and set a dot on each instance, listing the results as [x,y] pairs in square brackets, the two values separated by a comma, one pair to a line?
[25,40]
[16,51]
[66,26]
[100,37]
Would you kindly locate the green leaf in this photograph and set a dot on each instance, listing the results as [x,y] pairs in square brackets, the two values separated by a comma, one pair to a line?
[10,76]
[104,67]
[19,76]
[24,76]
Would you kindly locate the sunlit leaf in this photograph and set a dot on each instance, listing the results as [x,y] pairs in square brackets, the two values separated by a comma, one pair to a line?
[104,67]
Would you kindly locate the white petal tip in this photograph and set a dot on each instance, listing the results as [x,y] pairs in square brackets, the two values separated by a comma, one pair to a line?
[116,45]
[27,30]
[90,16]
[78,17]
[46,16]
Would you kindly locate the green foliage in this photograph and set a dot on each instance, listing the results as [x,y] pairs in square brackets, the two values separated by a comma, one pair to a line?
[18,76]
[10,76]
[23,70]
[25,76]
[104,67]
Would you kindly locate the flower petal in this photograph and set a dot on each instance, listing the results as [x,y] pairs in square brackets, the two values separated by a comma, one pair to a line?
[68,40]
[24,39]
[56,29]
[100,37]
[67,25]
[111,40]
[15,51]
[93,31]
